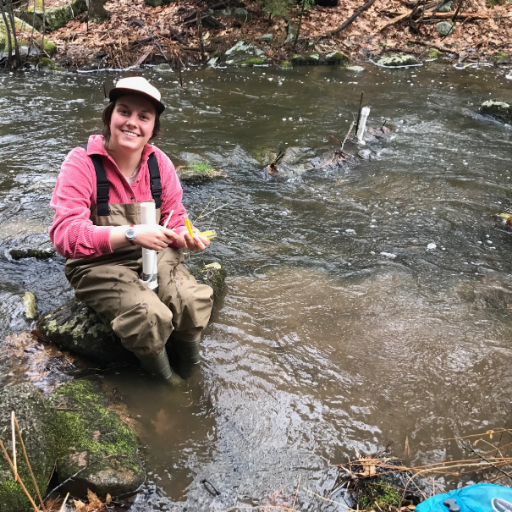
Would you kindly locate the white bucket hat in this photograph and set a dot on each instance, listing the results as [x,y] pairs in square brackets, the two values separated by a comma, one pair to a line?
[137,85]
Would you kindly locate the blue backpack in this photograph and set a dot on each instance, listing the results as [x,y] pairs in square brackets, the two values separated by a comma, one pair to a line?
[474,498]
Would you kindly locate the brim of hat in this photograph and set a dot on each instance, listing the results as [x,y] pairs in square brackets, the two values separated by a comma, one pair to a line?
[117,92]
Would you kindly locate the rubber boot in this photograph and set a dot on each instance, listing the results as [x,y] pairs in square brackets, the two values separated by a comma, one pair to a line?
[158,366]
[187,352]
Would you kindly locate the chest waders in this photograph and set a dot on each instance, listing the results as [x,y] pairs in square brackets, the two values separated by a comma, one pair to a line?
[110,284]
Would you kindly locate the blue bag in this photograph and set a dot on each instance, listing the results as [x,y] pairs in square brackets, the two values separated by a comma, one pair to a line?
[474,498]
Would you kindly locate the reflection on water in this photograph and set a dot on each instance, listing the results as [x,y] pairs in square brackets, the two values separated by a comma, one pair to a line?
[363,305]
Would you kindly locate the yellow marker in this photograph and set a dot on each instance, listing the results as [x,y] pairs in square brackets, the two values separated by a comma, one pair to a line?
[208,234]
[189,227]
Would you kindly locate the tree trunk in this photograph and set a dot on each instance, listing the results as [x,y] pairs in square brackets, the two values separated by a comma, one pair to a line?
[10,12]
[8,35]
[97,13]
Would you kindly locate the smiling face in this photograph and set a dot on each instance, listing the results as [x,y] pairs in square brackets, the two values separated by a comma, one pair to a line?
[132,123]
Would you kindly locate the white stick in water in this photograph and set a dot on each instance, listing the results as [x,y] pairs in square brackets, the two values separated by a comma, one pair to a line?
[365,112]
[149,267]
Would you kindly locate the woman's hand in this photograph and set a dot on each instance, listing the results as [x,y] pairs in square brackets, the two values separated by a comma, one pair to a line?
[150,237]
[154,237]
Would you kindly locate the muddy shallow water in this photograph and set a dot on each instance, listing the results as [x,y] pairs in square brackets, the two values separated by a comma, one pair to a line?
[341,328]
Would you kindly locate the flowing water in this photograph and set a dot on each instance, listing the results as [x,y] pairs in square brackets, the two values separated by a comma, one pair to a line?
[364,304]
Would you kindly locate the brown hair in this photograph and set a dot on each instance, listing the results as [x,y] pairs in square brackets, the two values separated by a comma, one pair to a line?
[106,117]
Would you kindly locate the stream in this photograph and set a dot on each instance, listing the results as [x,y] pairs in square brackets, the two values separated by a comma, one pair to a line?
[364,304]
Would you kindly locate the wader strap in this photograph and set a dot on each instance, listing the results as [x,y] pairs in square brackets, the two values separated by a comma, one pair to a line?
[154,175]
[102,184]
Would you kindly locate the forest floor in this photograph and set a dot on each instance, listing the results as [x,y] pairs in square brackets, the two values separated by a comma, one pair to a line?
[137,33]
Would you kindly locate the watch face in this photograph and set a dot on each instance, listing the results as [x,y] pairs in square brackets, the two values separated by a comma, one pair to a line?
[130,234]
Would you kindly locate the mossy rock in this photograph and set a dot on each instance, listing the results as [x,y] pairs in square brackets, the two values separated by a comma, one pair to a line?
[286,65]
[213,275]
[18,253]
[32,414]
[395,60]
[197,173]
[23,33]
[338,58]
[253,61]
[86,434]
[500,110]
[76,327]
[55,17]
[46,63]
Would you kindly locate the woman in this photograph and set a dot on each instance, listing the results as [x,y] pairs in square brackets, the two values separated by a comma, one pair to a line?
[97,228]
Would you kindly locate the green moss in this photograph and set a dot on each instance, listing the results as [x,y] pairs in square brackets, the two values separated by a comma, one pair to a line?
[314,57]
[45,62]
[286,64]
[297,56]
[198,167]
[501,56]
[433,53]
[253,61]
[379,494]
[82,421]
[338,58]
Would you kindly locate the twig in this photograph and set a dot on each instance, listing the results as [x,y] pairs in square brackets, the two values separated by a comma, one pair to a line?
[359,112]
[13,433]
[488,462]
[270,507]
[298,486]
[32,502]
[79,471]
[300,24]
[350,20]
[346,136]
[327,499]
[221,206]
[27,461]
[395,20]
[63,508]
[212,199]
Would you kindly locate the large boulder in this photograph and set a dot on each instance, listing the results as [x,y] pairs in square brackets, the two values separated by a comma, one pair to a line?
[243,53]
[93,441]
[54,17]
[32,414]
[79,329]
[24,37]
[498,109]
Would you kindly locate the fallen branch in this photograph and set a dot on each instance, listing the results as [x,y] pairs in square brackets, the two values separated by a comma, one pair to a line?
[395,20]
[348,21]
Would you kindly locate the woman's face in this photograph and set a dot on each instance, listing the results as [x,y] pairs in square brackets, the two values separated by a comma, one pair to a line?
[132,123]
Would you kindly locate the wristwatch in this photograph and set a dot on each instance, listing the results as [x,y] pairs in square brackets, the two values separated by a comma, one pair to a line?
[130,234]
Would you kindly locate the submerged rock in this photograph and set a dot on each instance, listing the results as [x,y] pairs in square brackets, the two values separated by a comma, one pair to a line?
[32,414]
[30,302]
[86,434]
[499,109]
[76,327]
[396,59]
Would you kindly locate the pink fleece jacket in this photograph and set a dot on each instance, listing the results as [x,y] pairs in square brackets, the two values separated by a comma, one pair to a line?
[73,234]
